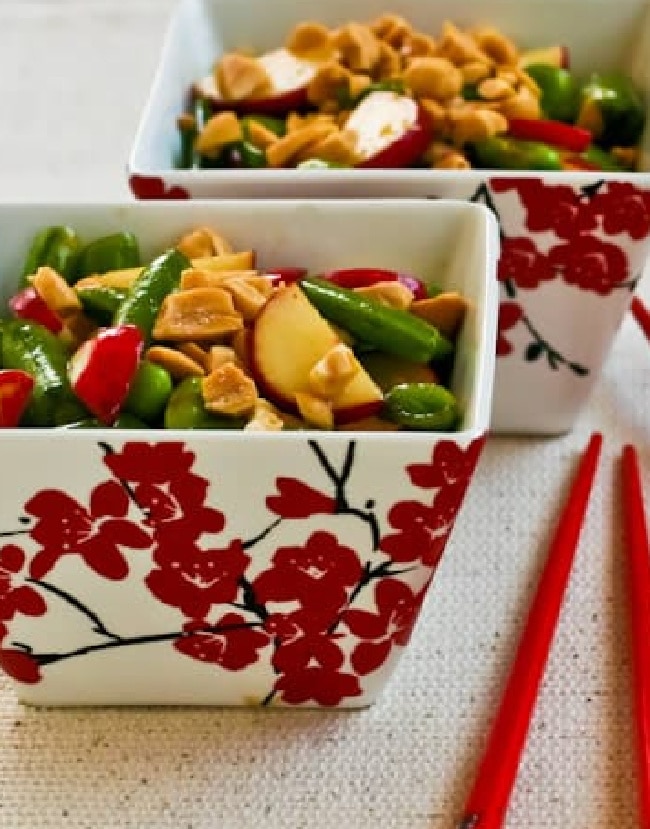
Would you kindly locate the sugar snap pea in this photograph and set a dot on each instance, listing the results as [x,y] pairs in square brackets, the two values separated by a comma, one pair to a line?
[499,152]
[100,301]
[422,406]
[142,303]
[31,347]
[612,109]
[109,253]
[559,98]
[387,329]
[57,247]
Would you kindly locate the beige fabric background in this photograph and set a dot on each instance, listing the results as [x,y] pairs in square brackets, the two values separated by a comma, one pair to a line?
[77,73]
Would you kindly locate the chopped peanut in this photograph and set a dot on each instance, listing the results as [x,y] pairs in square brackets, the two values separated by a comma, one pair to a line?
[523,104]
[242,260]
[259,135]
[197,314]
[315,410]
[200,278]
[358,47]
[389,63]
[478,124]
[495,44]
[311,40]
[459,47]
[332,373]
[392,29]
[287,148]
[239,76]
[247,298]
[338,147]
[433,77]
[475,71]
[393,294]
[178,364]
[240,342]
[195,352]
[223,128]
[326,83]
[228,390]
[221,354]
[122,278]
[203,241]
[494,89]
[419,45]
[266,418]
[446,311]
[55,291]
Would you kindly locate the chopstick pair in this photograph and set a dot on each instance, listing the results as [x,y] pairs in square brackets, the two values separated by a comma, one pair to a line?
[488,800]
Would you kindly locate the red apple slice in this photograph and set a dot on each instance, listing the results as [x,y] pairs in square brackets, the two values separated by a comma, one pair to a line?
[552,55]
[289,336]
[392,130]
[289,77]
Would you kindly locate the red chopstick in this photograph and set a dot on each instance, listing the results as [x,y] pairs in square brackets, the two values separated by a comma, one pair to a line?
[641,314]
[488,800]
[638,583]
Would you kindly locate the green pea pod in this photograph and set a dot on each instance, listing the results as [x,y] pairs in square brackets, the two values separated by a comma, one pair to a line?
[31,347]
[101,301]
[602,159]
[149,392]
[142,303]
[275,125]
[612,109]
[559,99]
[470,92]
[389,85]
[109,253]
[422,406]
[502,153]
[186,410]
[56,247]
[387,329]
[125,420]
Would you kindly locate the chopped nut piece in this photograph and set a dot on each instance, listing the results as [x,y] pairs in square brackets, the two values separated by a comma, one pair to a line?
[338,148]
[203,241]
[495,44]
[433,77]
[201,278]
[240,261]
[178,364]
[446,311]
[197,314]
[285,150]
[311,41]
[477,125]
[358,47]
[247,297]
[459,47]
[315,410]
[238,76]
[419,45]
[228,390]
[240,342]
[332,373]
[196,353]
[327,82]
[494,89]
[265,418]
[259,135]
[475,71]
[122,278]
[393,294]
[55,291]
[523,104]
[392,29]
[221,354]
[223,128]
[389,63]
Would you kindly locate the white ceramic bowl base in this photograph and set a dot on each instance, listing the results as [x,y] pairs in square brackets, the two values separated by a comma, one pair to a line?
[239,568]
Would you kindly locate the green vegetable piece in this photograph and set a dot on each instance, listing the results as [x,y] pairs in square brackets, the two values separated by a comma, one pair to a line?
[110,253]
[123,421]
[387,329]
[501,153]
[275,125]
[186,410]
[422,406]
[101,301]
[389,85]
[31,347]
[56,247]
[142,303]
[149,392]
[602,159]
[559,100]
[612,109]
[187,133]
[470,92]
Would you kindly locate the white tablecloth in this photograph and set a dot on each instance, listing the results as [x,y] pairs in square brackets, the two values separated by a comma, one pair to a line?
[73,78]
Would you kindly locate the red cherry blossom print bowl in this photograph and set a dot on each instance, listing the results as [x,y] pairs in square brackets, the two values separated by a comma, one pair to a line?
[218,566]
[575,232]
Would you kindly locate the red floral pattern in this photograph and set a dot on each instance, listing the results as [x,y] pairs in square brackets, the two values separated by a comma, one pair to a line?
[301,614]
[153,187]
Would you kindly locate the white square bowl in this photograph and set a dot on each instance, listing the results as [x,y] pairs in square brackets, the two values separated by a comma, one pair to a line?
[574,244]
[239,568]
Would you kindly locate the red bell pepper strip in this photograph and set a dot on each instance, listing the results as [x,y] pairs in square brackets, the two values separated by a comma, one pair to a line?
[29,305]
[556,133]
[102,369]
[352,278]
[15,390]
